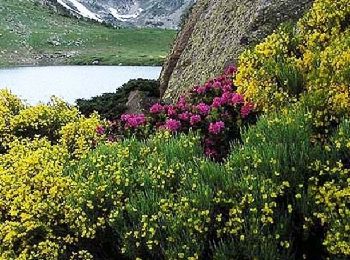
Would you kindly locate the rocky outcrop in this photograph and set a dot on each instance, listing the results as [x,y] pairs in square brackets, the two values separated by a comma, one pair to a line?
[216,33]
[139,102]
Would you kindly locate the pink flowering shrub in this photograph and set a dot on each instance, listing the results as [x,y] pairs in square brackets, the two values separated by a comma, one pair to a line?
[214,109]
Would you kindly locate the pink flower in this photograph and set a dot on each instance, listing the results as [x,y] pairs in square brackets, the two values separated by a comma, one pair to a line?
[184,116]
[100,130]
[171,111]
[231,70]
[227,87]
[226,97]
[216,128]
[216,102]
[182,103]
[172,125]
[195,119]
[237,99]
[246,109]
[203,108]
[200,90]
[210,152]
[217,85]
[133,120]
[157,109]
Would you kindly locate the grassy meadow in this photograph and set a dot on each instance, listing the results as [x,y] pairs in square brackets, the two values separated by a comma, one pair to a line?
[33,35]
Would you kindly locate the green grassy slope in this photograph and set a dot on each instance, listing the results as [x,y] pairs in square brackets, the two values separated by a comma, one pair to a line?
[32,34]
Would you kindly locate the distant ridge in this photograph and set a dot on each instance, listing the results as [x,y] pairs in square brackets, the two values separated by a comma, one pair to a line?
[129,13]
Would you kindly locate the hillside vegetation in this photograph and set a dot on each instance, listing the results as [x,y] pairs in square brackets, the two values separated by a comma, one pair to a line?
[262,173]
[32,34]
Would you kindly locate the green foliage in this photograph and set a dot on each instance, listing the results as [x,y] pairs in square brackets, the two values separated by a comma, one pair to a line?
[280,194]
[113,105]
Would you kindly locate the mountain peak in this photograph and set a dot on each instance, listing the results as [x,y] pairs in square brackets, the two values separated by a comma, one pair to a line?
[133,13]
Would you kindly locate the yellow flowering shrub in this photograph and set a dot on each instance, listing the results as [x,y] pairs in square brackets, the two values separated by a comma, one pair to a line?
[312,57]
[43,120]
[81,135]
[32,195]
[10,105]
[331,191]
[162,199]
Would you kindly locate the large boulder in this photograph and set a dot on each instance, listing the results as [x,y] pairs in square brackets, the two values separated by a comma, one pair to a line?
[215,34]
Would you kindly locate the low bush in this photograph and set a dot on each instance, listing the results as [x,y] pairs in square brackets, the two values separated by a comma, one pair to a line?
[311,57]
[112,105]
[10,105]
[213,109]
[43,120]
[80,136]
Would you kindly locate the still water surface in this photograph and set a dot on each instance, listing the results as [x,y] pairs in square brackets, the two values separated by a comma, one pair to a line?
[38,84]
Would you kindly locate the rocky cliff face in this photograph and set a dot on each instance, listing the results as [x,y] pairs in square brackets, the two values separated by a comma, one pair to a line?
[139,13]
[216,33]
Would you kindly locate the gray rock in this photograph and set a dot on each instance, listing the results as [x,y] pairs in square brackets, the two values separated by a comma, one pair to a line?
[215,35]
[138,102]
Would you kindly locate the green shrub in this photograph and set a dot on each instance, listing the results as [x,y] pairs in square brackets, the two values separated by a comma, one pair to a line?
[331,188]
[113,105]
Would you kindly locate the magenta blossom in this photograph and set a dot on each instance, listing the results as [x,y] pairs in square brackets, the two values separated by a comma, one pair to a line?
[200,90]
[182,103]
[185,116]
[237,99]
[195,119]
[171,111]
[210,152]
[203,108]
[216,102]
[217,85]
[246,109]
[133,120]
[227,87]
[231,70]
[157,109]
[100,130]
[217,127]
[172,125]
[226,98]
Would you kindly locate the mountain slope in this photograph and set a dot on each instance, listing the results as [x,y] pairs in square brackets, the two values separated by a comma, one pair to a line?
[139,13]
[32,34]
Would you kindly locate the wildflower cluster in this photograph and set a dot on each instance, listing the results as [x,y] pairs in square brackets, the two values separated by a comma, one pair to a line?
[10,105]
[214,109]
[311,58]
[43,120]
[64,194]
[330,187]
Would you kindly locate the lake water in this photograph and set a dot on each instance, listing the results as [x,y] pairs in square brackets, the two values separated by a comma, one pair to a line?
[38,84]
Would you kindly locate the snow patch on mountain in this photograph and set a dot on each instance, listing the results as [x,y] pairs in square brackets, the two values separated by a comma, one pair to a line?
[83,11]
[124,17]
[134,13]
[64,5]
